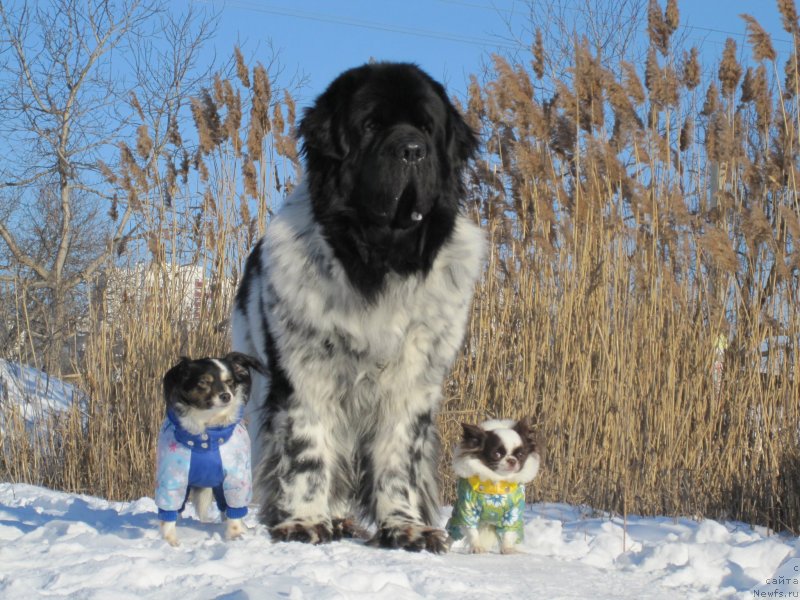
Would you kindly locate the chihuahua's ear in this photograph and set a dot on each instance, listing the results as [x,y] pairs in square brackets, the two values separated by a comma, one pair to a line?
[528,435]
[472,436]
[174,377]
[241,362]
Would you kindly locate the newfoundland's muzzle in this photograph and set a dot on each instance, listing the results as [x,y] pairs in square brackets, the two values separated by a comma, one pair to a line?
[401,180]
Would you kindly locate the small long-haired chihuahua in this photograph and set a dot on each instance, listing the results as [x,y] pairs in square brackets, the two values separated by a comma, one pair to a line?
[493,463]
[203,446]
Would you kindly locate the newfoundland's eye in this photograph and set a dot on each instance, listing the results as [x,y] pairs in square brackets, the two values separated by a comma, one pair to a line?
[370,126]
[427,127]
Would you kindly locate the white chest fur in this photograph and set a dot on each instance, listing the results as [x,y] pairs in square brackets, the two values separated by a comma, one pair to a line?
[414,319]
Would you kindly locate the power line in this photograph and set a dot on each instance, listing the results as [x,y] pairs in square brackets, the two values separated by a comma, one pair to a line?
[576,9]
[432,34]
[375,25]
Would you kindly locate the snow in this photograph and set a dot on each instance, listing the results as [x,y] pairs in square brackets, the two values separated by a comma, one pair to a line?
[63,545]
[33,392]
[72,546]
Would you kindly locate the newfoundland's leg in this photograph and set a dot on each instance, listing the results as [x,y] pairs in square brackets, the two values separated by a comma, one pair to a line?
[293,444]
[404,493]
[293,480]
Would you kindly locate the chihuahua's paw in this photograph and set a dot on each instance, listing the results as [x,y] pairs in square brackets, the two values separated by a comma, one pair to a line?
[234,530]
[169,533]
[308,531]
[508,543]
[411,536]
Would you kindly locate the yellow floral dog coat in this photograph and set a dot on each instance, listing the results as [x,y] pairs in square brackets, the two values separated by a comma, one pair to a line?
[500,504]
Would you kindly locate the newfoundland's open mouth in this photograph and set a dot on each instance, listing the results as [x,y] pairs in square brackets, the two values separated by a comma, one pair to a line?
[410,209]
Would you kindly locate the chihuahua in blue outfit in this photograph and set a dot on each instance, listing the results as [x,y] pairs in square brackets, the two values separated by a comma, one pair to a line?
[203,446]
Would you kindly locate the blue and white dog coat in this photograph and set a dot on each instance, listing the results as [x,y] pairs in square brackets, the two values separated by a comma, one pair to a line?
[218,459]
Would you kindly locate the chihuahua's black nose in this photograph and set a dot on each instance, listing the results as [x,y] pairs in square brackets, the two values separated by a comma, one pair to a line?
[225,397]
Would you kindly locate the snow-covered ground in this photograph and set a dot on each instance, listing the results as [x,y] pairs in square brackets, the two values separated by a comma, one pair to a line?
[33,392]
[59,545]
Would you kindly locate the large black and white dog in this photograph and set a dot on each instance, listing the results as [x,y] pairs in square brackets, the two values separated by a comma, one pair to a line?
[356,299]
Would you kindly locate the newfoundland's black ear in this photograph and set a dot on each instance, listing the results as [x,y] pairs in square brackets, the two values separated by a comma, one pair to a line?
[174,377]
[462,143]
[323,126]
[472,436]
[242,362]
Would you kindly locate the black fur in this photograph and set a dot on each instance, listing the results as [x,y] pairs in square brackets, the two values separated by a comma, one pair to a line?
[357,299]
[490,450]
[195,383]
[364,187]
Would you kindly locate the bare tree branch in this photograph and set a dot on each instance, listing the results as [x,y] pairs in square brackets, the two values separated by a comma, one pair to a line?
[21,256]
[64,108]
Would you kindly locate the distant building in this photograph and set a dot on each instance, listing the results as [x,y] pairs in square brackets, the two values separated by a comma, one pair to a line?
[191,285]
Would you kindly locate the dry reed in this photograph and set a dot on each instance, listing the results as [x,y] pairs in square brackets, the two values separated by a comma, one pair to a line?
[168,295]
[639,302]
[649,324]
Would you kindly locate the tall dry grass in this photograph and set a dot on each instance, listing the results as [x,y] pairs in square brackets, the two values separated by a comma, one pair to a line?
[200,208]
[644,256]
[641,302]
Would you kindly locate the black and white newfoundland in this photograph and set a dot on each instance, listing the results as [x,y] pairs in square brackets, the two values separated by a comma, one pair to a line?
[357,299]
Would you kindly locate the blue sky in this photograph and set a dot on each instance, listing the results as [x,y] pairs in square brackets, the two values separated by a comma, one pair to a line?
[449,38]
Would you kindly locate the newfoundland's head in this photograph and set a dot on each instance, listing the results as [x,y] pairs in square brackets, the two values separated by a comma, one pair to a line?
[385,152]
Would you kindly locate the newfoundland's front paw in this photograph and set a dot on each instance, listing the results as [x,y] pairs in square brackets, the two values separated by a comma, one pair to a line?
[348,529]
[411,537]
[301,530]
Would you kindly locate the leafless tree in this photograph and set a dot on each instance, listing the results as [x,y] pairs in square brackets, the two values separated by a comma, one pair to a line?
[67,80]
[612,28]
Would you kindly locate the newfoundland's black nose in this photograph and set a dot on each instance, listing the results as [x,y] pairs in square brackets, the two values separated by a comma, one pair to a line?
[412,152]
